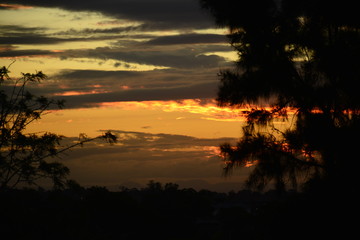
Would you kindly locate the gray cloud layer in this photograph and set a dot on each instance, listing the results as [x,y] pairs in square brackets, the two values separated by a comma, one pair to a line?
[165,14]
[165,84]
[140,157]
[188,39]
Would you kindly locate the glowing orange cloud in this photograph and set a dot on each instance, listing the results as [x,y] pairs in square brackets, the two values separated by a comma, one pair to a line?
[57,51]
[14,6]
[95,85]
[6,48]
[124,87]
[77,93]
[208,108]
[214,151]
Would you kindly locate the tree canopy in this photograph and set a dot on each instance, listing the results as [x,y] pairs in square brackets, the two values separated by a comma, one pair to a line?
[298,60]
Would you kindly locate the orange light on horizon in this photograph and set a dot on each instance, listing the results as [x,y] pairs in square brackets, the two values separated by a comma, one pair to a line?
[206,107]
[197,106]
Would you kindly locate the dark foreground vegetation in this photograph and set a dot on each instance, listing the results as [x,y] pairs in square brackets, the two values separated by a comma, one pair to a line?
[167,212]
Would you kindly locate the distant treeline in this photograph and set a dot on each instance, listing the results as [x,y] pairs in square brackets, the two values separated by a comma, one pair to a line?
[167,212]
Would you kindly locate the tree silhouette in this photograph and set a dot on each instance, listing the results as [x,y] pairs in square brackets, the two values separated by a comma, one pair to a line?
[298,61]
[26,158]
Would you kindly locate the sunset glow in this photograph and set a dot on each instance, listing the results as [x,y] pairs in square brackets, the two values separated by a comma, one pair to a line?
[147,72]
[179,119]
[208,108]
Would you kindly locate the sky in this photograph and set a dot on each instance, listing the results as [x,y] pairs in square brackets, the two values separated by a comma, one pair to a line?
[145,69]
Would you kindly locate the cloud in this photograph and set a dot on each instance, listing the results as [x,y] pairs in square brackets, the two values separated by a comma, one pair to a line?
[90,31]
[13,6]
[178,59]
[16,34]
[157,78]
[149,32]
[87,88]
[204,90]
[141,156]
[185,57]
[165,14]
[15,30]
[181,66]
[10,53]
[188,39]
[114,86]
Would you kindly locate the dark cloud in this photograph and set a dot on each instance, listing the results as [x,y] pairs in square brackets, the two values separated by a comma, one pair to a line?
[170,14]
[113,86]
[135,32]
[14,34]
[204,90]
[179,59]
[96,74]
[16,30]
[157,78]
[175,58]
[41,39]
[188,39]
[29,39]
[24,53]
[90,31]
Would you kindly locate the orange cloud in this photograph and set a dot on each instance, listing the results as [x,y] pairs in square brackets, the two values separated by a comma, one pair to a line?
[124,87]
[208,108]
[14,6]
[57,51]
[96,85]
[77,93]
[6,48]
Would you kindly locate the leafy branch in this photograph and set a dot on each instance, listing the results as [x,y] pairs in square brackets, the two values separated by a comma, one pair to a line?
[26,158]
